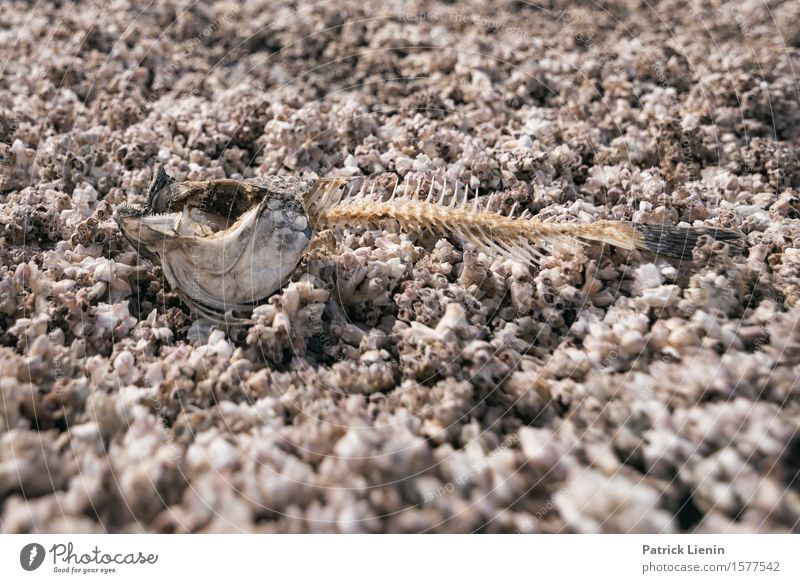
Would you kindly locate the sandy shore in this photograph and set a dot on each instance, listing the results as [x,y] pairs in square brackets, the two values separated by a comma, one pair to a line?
[405,383]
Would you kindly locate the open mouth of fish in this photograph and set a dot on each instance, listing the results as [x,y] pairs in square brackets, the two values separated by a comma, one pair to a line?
[224,245]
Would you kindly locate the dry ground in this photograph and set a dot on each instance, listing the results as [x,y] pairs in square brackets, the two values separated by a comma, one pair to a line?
[405,384]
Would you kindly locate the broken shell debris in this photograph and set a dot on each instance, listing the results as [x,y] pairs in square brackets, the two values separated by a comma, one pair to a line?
[396,380]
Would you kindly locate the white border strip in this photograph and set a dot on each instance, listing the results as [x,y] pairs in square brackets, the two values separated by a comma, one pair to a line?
[401,558]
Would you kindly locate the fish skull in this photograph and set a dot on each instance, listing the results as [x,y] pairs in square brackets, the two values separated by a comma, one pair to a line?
[226,244]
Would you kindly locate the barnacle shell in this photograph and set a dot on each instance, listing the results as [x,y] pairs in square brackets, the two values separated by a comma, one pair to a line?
[223,244]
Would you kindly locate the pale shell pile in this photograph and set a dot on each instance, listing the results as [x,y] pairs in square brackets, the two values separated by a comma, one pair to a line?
[402,383]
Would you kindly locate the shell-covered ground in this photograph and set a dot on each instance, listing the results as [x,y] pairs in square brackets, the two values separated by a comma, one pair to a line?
[404,382]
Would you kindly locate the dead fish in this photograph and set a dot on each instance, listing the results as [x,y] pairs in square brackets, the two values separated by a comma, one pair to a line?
[225,245]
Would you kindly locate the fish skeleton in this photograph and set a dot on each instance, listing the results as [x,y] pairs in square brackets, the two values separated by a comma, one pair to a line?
[225,245]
